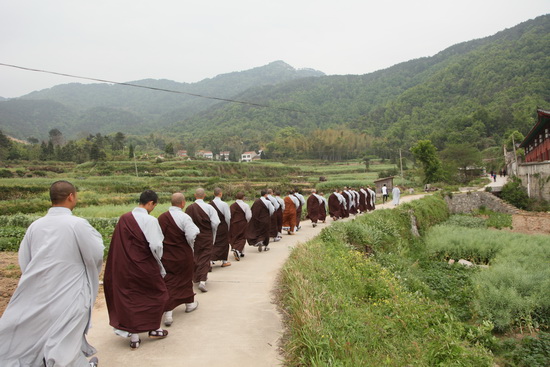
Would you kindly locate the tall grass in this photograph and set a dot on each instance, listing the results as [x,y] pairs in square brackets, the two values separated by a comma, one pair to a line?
[514,291]
[345,309]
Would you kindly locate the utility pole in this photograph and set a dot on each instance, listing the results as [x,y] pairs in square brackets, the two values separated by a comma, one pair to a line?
[401,163]
[515,156]
[135,164]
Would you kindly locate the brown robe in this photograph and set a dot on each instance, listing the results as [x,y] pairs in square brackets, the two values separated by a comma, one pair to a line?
[322,211]
[289,214]
[135,292]
[279,214]
[203,242]
[274,225]
[334,207]
[238,226]
[313,208]
[362,202]
[221,246]
[258,227]
[298,211]
[368,199]
[178,262]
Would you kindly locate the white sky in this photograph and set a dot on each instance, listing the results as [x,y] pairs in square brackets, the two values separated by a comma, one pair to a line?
[187,41]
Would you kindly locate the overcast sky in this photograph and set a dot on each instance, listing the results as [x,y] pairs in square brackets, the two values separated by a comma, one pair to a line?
[187,41]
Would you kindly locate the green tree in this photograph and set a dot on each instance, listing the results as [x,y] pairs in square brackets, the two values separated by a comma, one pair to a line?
[131,151]
[426,153]
[5,146]
[459,159]
[169,149]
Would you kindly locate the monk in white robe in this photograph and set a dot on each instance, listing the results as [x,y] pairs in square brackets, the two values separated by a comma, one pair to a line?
[46,321]
[396,195]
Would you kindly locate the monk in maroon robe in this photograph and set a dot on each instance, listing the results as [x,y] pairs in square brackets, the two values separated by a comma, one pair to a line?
[257,232]
[362,200]
[135,291]
[322,209]
[239,222]
[220,250]
[205,217]
[313,208]
[178,259]
[334,207]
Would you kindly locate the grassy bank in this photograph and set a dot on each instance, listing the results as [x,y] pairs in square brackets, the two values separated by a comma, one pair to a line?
[371,292]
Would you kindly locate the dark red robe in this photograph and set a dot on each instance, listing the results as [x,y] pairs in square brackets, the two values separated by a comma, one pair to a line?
[362,202]
[279,214]
[313,208]
[203,241]
[221,245]
[258,227]
[178,262]
[238,226]
[334,207]
[322,211]
[135,292]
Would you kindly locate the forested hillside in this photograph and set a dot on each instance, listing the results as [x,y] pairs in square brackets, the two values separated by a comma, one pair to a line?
[475,92]
[105,108]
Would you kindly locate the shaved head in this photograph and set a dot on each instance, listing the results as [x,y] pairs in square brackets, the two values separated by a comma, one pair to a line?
[177,199]
[60,191]
[199,193]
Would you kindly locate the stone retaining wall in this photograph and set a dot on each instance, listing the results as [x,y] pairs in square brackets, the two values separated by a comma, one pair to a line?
[473,200]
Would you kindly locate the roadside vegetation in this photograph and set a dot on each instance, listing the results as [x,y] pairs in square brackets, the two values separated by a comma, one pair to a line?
[370,292]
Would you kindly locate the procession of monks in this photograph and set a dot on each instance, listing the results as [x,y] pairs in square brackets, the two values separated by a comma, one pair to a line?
[152,265]
[193,241]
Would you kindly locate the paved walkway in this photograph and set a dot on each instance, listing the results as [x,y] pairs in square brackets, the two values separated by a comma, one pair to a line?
[236,323]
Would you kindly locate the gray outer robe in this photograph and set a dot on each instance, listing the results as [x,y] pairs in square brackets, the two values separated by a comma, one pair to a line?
[49,313]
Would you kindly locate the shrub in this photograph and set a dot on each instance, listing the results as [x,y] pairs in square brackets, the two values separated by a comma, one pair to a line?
[514,193]
[5,173]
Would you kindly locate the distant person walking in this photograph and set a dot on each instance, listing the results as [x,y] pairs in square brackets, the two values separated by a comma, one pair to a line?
[179,238]
[135,291]
[396,195]
[47,319]
[384,194]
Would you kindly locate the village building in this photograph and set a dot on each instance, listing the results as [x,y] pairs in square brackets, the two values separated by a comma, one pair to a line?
[534,172]
[181,154]
[388,181]
[224,155]
[250,156]
[206,154]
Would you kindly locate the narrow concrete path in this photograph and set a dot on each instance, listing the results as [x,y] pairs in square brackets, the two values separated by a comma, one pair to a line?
[236,324]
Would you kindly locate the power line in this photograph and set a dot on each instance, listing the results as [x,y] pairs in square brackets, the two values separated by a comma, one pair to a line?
[154,88]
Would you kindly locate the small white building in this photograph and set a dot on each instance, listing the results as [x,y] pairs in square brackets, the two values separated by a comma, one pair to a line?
[207,154]
[249,156]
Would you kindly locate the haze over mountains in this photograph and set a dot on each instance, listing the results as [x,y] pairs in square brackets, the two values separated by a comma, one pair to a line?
[475,91]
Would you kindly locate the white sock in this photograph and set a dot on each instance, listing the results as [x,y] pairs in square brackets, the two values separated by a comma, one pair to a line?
[168,314]
[203,283]
[134,337]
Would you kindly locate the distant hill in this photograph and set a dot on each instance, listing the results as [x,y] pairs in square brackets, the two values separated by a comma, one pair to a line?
[105,108]
[473,92]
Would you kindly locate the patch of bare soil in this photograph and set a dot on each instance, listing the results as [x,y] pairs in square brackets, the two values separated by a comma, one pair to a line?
[531,223]
[9,277]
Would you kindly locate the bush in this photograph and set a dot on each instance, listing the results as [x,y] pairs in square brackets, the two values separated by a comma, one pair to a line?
[5,173]
[514,193]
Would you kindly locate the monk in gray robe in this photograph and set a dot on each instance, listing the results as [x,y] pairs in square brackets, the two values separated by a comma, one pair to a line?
[46,321]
